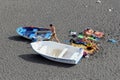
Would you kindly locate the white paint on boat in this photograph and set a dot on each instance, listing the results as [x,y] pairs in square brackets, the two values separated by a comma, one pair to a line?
[58,52]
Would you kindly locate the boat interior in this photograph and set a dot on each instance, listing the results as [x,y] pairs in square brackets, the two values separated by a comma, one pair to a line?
[60,51]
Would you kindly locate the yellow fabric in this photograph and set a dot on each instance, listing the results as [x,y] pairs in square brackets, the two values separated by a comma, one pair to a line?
[84,47]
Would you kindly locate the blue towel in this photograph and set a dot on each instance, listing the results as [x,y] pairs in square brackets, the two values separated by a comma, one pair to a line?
[112,40]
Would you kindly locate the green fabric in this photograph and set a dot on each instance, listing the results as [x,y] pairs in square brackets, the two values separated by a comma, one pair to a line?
[81,36]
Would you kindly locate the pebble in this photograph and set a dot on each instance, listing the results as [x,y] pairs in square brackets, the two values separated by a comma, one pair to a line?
[110,9]
[98,1]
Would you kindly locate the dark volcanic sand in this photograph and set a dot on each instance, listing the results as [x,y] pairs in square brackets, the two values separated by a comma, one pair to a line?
[18,61]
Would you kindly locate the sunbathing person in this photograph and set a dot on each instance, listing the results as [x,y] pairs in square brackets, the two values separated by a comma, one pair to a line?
[88,32]
[98,34]
[91,46]
[91,32]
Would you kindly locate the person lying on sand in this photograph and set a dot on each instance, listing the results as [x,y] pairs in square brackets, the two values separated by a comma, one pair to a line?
[91,32]
[91,48]
[88,32]
[98,34]
[91,45]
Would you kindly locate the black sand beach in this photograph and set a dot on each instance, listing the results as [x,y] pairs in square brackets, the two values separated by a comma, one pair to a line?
[18,61]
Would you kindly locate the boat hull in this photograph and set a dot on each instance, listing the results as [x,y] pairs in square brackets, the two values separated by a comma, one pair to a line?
[69,58]
[34,33]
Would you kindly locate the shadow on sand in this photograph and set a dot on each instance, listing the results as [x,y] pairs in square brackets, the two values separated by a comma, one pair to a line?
[36,58]
[19,38]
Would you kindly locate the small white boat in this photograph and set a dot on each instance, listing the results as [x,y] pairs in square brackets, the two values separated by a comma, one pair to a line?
[58,52]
